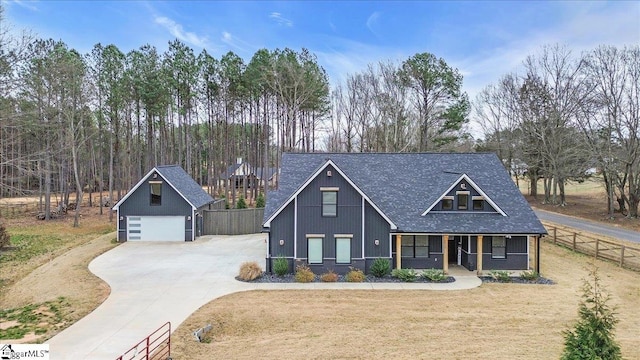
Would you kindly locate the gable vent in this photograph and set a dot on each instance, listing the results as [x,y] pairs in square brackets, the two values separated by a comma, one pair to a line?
[329,174]
[463,186]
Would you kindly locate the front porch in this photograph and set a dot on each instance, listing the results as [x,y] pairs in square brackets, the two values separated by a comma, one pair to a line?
[477,253]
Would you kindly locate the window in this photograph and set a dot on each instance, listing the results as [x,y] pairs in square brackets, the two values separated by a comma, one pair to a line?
[330,203]
[447,203]
[463,199]
[156,192]
[343,250]
[415,246]
[314,250]
[478,203]
[498,247]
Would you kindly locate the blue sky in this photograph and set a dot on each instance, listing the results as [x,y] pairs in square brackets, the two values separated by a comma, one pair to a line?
[483,39]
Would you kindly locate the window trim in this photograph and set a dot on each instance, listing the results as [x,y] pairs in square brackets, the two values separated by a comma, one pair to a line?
[349,238]
[466,204]
[493,247]
[450,198]
[473,202]
[322,210]
[151,194]
[309,238]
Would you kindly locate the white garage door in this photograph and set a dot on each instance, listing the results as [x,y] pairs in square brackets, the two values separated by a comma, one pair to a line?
[155,228]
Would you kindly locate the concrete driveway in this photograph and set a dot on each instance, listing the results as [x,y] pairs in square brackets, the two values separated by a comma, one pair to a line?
[152,283]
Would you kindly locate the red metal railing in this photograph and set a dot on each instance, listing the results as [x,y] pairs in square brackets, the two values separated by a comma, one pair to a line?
[154,347]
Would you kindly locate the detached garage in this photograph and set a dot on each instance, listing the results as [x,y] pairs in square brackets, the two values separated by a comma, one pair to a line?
[165,205]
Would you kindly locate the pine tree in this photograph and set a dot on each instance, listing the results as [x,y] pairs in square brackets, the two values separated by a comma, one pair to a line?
[260,201]
[592,337]
[241,204]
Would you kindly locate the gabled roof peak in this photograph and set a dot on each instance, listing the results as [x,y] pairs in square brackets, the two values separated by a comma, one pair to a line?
[466,178]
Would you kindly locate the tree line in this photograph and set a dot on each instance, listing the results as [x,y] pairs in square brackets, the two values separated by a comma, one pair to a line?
[97,122]
[566,114]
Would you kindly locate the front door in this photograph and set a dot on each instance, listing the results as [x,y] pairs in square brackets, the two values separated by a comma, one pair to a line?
[453,250]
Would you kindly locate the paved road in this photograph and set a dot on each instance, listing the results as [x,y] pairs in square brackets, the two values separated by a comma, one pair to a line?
[590,226]
[155,282]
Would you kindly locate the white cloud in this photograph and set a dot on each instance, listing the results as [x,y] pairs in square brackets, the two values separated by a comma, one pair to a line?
[282,21]
[30,5]
[372,21]
[237,43]
[178,31]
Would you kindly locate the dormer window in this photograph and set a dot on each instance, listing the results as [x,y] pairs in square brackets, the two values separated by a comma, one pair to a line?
[478,203]
[463,200]
[447,203]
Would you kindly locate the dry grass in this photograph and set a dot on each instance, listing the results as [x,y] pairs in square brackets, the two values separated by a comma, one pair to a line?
[586,200]
[495,321]
[51,262]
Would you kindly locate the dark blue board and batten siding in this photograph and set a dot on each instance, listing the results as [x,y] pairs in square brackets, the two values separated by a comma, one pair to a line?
[347,221]
[139,204]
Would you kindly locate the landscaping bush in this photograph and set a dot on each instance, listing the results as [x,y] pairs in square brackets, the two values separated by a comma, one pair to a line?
[500,275]
[354,275]
[5,239]
[380,268]
[249,271]
[530,275]
[406,275]
[280,266]
[329,276]
[304,274]
[436,275]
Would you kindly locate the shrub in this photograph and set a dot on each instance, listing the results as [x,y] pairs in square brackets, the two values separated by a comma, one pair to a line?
[260,201]
[249,271]
[592,336]
[280,266]
[406,275]
[329,276]
[436,275]
[354,275]
[304,274]
[241,204]
[5,239]
[530,275]
[500,275]
[380,267]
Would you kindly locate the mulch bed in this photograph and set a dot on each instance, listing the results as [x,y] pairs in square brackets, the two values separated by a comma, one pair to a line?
[518,280]
[289,278]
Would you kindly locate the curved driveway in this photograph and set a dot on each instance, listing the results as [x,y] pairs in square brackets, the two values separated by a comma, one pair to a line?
[155,282]
[590,226]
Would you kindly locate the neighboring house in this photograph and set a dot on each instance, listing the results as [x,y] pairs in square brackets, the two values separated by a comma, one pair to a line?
[165,205]
[426,210]
[243,175]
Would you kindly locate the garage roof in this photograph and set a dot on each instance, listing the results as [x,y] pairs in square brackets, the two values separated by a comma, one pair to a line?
[180,181]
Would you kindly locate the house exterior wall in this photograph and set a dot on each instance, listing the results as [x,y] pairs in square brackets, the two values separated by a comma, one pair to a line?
[433,261]
[349,221]
[139,204]
[516,258]
[282,228]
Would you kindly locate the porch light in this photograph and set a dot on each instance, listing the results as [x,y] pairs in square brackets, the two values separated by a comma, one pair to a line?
[188,217]
[281,242]
[121,218]
[376,242]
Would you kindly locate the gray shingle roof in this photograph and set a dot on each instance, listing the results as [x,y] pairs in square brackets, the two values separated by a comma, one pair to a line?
[185,185]
[404,185]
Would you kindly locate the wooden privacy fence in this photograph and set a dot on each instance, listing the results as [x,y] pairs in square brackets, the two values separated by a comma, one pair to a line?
[232,222]
[624,255]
